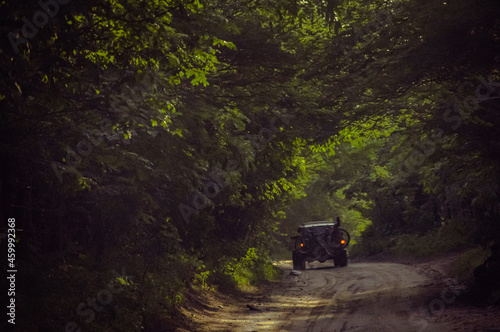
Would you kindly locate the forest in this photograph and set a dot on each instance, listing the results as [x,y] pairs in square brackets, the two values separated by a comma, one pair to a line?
[152,148]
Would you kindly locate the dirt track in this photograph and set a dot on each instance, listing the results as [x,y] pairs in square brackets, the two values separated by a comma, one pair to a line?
[359,297]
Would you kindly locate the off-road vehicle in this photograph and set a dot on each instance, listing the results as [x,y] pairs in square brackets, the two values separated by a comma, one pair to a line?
[320,241]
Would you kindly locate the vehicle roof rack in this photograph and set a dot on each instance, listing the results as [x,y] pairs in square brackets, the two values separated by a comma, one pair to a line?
[318,223]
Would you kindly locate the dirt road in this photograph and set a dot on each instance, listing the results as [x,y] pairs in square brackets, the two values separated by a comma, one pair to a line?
[359,297]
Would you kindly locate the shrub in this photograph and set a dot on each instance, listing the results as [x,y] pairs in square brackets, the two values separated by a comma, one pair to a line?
[463,267]
[451,236]
[251,269]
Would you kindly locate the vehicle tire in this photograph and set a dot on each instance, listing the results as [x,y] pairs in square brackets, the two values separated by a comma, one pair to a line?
[342,259]
[303,264]
[299,261]
[336,261]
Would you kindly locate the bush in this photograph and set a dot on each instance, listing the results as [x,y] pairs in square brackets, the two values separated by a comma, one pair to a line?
[451,236]
[463,267]
[253,268]
[370,243]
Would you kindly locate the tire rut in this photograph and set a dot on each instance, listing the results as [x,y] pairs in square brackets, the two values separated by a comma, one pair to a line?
[373,296]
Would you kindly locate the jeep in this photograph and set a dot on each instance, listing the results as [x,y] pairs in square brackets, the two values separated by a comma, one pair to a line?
[320,241]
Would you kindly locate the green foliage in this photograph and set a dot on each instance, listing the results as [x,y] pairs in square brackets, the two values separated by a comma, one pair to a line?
[371,243]
[452,236]
[201,279]
[439,241]
[255,267]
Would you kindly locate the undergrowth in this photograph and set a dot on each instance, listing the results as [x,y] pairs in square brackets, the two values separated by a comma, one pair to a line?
[462,268]
[449,237]
[254,268]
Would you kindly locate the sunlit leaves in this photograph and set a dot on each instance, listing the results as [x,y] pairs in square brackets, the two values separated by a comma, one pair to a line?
[219,42]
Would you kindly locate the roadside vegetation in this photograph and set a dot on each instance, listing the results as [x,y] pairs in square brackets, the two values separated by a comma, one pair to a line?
[153,148]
